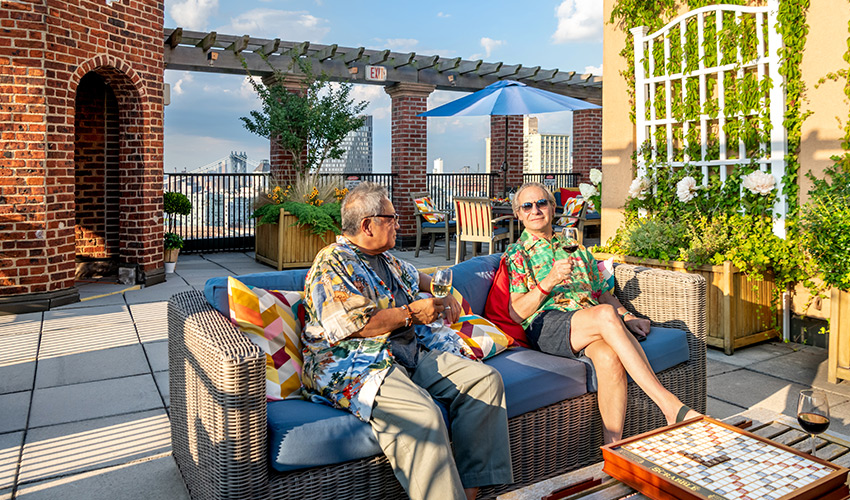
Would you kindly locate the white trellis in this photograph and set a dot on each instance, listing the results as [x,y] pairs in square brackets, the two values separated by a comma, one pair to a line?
[654,86]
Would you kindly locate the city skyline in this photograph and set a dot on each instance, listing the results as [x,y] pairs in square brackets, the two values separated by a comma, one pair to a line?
[202,122]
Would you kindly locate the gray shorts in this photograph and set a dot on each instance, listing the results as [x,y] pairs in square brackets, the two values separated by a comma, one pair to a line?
[550,333]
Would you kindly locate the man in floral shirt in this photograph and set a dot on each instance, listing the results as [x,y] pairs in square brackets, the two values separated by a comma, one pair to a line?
[567,309]
[368,350]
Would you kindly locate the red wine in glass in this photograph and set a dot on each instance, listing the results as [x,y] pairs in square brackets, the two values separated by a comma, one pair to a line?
[571,237]
[813,413]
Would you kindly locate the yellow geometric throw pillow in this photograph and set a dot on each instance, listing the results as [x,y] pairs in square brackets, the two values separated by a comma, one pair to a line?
[572,211]
[483,337]
[272,320]
[426,207]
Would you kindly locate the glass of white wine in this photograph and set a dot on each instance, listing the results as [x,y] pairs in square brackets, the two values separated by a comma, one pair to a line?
[441,285]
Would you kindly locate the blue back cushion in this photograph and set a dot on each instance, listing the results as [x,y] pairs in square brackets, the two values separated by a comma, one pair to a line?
[215,289]
[473,277]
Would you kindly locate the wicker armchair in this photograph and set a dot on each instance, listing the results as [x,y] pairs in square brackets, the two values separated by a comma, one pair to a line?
[218,406]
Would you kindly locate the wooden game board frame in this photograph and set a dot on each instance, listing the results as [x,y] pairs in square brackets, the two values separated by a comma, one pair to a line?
[659,487]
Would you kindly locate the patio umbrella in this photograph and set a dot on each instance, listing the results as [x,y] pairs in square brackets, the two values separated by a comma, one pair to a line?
[508,97]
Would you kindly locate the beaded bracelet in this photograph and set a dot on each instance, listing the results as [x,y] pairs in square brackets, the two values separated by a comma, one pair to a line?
[409,319]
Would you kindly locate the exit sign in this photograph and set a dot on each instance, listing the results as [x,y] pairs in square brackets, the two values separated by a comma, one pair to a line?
[376,73]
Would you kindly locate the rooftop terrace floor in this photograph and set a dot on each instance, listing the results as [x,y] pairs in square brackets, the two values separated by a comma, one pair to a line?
[84,388]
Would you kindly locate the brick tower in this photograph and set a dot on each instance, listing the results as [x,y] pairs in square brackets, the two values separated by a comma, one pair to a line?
[81,107]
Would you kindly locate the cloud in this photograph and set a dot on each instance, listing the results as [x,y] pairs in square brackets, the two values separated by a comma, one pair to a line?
[593,70]
[443,14]
[193,14]
[186,78]
[271,23]
[578,21]
[400,44]
[489,45]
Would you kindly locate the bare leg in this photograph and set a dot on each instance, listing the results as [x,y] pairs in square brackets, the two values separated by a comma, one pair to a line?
[611,379]
[470,493]
[603,323]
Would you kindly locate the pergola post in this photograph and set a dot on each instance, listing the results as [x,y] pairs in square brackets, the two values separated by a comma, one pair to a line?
[282,163]
[409,157]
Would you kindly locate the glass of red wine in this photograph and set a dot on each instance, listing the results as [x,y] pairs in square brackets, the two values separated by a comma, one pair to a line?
[571,237]
[813,413]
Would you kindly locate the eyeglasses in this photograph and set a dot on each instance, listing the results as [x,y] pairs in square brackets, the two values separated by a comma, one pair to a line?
[541,204]
[385,216]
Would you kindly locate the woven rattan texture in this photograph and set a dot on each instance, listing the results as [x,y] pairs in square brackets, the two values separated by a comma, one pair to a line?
[218,406]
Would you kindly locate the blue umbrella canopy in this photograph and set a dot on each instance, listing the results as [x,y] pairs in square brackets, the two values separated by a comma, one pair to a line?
[507,97]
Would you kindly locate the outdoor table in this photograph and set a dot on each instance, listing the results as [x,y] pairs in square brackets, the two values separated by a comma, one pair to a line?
[834,448]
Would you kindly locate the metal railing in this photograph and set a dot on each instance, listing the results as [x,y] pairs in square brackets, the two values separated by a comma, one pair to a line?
[222,203]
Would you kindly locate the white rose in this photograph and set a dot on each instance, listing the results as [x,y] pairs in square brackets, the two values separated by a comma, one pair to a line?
[595,176]
[639,187]
[686,189]
[642,213]
[759,182]
[587,190]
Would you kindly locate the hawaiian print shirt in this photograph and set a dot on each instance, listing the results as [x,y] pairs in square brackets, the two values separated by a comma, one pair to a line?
[530,260]
[342,294]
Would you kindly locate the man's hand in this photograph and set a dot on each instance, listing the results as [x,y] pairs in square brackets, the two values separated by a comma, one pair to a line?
[561,270]
[638,326]
[426,311]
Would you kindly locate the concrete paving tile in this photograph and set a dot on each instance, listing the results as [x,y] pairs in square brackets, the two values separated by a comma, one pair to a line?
[59,450]
[839,415]
[714,367]
[10,451]
[70,403]
[95,301]
[154,294]
[58,319]
[753,354]
[6,494]
[91,336]
[161,379]
[721,409]
[92,365]
[15,349]
[16,377]
[149,311]
[155,479]
[16,324]
[152,332]
[13,411]
[157,353]
[749,389]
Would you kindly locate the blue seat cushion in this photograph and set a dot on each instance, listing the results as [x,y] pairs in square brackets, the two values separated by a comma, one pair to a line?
[533,379]
[215,289]
[473,277]
[664,347]
[593,215]
[439,224]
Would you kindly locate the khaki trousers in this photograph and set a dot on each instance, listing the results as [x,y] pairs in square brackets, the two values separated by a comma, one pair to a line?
[410,428]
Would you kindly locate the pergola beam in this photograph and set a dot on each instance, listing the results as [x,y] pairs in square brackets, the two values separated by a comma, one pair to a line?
[346,64]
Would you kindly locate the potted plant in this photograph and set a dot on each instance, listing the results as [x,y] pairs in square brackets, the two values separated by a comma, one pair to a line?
[677,220]
[308,125]
[825,220]
[174,203]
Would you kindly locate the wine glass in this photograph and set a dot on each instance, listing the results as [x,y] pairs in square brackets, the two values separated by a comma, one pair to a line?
[441,285]
[571,235]
[813,413]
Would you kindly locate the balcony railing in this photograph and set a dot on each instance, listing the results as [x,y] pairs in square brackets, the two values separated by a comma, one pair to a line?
[222,203]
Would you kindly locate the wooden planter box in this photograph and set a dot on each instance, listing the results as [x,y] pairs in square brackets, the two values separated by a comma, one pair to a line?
[839,336]
[285,245]
[737,314]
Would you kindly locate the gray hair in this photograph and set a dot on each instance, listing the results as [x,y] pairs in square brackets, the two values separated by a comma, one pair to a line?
[549,195]
[364,200]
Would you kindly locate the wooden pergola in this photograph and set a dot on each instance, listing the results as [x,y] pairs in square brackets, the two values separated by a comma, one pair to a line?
[216,53]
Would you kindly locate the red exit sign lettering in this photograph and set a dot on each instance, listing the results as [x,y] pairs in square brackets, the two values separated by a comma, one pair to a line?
[376,73]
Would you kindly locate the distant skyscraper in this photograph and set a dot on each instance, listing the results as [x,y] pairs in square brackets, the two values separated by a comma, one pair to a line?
[357,158]
[438,166]
[544,153]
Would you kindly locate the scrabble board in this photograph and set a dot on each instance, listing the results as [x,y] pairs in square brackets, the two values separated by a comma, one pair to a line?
[703,459]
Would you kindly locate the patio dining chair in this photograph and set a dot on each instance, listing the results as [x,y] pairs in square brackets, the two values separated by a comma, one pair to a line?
[431,221]
[475,223]
[575,215]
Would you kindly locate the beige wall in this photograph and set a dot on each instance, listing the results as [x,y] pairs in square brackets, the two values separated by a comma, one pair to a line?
[618,135]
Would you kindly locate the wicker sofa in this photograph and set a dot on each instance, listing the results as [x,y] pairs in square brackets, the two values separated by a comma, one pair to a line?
[219,411]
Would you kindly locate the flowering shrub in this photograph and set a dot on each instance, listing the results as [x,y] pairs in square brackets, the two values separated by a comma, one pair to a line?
[592,192]
[314,201]
[826,221]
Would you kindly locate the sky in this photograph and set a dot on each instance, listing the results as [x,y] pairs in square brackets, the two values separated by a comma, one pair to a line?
[202,121]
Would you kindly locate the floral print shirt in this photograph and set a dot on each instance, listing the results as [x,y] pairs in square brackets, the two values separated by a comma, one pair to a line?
[342,294]
[530,260]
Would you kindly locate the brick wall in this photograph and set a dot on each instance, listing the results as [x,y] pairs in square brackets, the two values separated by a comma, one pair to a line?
[409,158]
[515,150]
[46,47]
[587,141]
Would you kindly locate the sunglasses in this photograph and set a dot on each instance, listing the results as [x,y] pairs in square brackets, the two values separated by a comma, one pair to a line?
[541,204]
[385,216]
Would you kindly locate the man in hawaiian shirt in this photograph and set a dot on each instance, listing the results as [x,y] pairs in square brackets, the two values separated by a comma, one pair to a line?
[566,308]
[368,350]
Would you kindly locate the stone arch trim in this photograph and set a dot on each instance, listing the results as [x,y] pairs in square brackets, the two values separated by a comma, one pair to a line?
[110,65]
